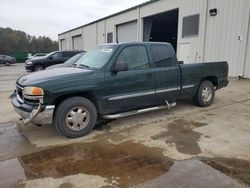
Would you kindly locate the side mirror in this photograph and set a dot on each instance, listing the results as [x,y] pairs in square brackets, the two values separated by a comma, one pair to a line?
[50,57]
[120,66]
[181,62]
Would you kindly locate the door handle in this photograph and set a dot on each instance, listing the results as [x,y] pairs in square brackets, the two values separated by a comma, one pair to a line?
[149,75]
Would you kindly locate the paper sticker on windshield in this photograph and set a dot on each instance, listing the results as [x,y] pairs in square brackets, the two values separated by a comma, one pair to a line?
[107,50]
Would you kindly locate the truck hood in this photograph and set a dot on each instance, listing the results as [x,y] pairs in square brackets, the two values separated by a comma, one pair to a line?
[49,75]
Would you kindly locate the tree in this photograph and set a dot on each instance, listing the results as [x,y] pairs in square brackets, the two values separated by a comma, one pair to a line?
[12,41]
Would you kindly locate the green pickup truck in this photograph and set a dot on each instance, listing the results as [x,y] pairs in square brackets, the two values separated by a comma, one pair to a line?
[114,81]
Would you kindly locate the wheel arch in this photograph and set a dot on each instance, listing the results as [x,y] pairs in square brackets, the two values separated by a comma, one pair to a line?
[38,64]
[212,79]
[88,95]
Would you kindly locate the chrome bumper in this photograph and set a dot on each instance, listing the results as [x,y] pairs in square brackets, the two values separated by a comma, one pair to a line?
[37,115]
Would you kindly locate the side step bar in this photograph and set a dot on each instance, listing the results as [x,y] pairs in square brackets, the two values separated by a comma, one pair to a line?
[125,114]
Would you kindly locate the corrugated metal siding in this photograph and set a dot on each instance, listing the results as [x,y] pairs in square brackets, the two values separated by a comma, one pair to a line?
[247,56]
[222,42]
[186,8]
[90,36]
[101,39]
[196,47]
[217,39]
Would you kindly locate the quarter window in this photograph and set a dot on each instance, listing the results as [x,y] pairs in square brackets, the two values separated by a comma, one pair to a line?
[135,56]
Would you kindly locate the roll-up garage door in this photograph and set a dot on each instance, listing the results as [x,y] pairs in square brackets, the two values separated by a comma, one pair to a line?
[127,32]
[77,42]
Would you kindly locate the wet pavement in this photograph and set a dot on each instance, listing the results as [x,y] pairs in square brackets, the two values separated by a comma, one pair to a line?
[184,147]
[12,143]
[181,134]
[128,163]
[192,173]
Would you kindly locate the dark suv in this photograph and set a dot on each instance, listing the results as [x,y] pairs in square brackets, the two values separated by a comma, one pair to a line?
[52,58]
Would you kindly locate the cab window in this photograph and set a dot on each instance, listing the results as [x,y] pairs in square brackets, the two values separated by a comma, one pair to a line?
[135,56]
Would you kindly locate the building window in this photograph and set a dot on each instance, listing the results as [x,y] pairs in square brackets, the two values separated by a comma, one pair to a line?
[191,26]
[110,37]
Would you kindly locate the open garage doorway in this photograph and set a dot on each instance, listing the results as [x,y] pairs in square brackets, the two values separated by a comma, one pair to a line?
[162,27]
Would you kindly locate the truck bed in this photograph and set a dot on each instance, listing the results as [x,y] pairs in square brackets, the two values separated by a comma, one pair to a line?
[193,74]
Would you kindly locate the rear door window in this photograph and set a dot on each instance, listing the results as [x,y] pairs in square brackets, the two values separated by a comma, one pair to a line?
[67,54]
[162,56]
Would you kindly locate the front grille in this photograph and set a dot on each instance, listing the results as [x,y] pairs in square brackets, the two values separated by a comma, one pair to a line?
[19,92]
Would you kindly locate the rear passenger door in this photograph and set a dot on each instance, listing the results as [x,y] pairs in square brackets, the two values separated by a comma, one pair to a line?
[167,75]
[67,55]
[134,88]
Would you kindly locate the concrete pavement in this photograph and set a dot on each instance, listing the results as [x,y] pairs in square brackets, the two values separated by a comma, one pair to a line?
[187,146]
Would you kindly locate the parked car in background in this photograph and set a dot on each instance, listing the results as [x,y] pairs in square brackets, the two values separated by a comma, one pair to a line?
[69,62]
[53,58]
[38,55]
[7,60]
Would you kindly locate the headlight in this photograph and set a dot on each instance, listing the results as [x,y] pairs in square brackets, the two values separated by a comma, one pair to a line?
[28,62]
[33,91]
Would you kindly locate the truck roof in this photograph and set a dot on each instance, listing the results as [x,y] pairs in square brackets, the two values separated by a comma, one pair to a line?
[134,43]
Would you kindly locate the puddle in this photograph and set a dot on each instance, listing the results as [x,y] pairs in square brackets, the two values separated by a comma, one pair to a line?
[180,132]
[128,163]
[235,168]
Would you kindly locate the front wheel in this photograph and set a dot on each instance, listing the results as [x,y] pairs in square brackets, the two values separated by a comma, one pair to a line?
[38,68]
[7,63]
[75,117]
[205,95]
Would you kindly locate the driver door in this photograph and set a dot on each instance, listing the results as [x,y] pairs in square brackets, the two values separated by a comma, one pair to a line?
[133,87]
[56,58]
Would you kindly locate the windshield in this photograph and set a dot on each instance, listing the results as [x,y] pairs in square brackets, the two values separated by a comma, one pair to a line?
[74,58]
[97,57]
[50,54]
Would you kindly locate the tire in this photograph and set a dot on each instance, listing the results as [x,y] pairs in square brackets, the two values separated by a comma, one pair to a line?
[205,95]
[75,117]
[38,68]
[7,63]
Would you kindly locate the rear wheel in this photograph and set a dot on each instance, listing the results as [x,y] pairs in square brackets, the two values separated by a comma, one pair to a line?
[75,117]
[38,68]
[205,95]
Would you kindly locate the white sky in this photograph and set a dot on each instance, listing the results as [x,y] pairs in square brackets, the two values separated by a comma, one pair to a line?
[51,17]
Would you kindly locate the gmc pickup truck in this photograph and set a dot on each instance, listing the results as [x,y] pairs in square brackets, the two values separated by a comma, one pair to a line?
[114,81]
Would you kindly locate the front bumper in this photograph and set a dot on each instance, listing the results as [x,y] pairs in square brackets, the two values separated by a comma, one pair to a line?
[41,114]
[29,68]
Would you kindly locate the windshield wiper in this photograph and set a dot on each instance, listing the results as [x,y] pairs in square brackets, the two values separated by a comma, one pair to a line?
[84,66]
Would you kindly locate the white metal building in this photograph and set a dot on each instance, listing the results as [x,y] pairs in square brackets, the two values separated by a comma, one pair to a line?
[200,30]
